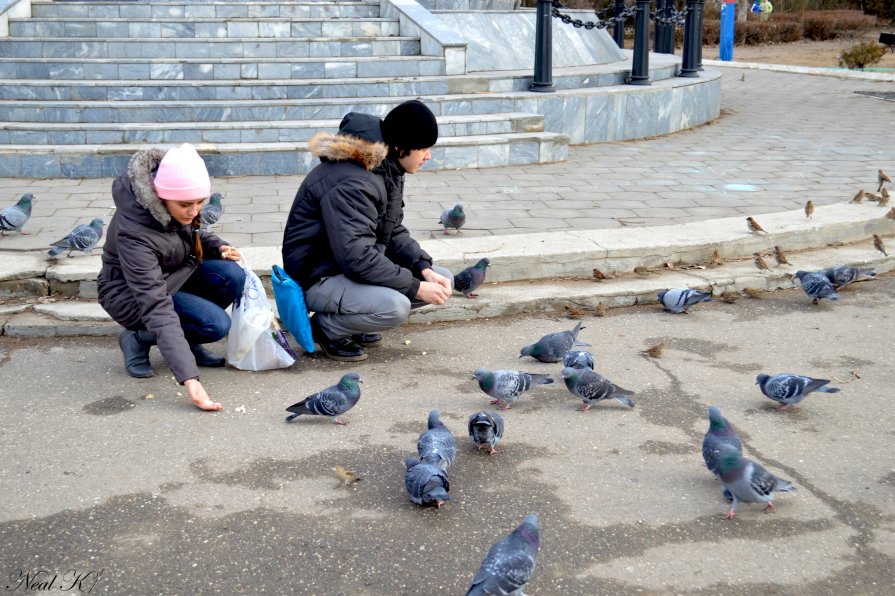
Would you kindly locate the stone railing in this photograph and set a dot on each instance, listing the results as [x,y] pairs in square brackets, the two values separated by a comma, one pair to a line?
[16,9]
[436,39]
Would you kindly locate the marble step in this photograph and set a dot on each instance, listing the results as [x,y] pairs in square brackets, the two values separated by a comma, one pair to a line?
[184,28]
[148,47]
[241,132]
[73,69]
[207,9]
[252,159]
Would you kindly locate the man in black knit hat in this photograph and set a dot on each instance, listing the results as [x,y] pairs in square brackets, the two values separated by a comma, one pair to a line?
[344,241]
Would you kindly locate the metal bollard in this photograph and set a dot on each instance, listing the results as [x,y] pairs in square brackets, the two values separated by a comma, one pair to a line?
[668,36]
[543,75]
[659,28]
[640,65]
[701,11]
[689,65]
[618,31]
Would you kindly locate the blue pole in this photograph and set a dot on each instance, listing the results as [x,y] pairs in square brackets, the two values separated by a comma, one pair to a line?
[728,18]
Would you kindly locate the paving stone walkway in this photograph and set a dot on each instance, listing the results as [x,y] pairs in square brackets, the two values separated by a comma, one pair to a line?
[782,139]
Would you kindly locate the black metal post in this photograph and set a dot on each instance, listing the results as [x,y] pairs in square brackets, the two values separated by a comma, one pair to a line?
[543,76]
[658,28]
[689,65]
[701,11]
[618,31]
[668,34]
[640,65]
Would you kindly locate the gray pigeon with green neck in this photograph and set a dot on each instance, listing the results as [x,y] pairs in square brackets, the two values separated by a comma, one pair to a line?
[15,216]
[486,430]
[553,346]
[591,387]
[83,238]
[508,385]
[720,433]
[453,217]
[470,279]
[747,481]
[510,563]
[211,212]
[332,401]
[436,445]
[426,483]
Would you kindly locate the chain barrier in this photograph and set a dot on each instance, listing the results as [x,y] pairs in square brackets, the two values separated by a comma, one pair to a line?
[676,19]
[600,24]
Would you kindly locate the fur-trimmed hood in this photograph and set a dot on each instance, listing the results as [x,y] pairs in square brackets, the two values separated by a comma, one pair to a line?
[342,147]
[140,171]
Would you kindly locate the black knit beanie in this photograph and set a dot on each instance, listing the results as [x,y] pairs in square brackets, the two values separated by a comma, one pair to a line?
[411,125]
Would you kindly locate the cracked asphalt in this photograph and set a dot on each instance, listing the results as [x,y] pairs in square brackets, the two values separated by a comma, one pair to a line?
[104,473]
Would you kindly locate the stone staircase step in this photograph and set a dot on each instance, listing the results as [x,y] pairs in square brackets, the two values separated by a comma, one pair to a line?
[204,9]
[243,159]
[74,69]
[246,132]
[233,47]
[220,27]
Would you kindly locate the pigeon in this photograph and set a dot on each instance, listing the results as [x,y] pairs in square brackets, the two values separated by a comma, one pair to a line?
[332,401]
[858,197]
[746,480]
[453,217]
[426,483]
[809,209]
[882,179]
[816,285]
[719,433]
[510,563]
[468,281]
[578,359]
[592,387]
[437,445]
[508,385]
[15,216]
[780,256]
[753,226]
[552,346]
[878,244]
[83,238]
[842,275]
[486,430]
[789,389]
[760,262]
[679,300]
[211,212]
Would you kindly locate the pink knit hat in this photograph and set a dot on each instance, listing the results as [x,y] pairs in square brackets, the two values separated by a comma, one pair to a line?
[182,175]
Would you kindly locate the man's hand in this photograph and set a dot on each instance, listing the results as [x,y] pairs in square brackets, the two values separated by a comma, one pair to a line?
[431,276]
[433,293]
[196,392]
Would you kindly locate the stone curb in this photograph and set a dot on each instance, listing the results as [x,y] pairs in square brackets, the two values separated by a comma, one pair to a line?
[809,70]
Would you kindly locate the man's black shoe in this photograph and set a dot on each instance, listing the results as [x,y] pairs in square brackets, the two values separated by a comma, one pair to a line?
[135,348]
[205,357]
[342,349]
[366,339]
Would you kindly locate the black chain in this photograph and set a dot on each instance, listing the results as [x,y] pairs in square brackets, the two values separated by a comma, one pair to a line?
[676,19]
[601,24]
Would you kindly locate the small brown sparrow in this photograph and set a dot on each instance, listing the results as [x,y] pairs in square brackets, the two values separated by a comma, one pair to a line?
[599,275]
[729,297]
[891,213]
[753,292]
[882,179]
[760,262]
[573,312]
[780,256]
[809,209]
[656,351]
[601,310]
[753,226]
[884,198]
[716,259]
[858,197]
[878,245]
[346,477]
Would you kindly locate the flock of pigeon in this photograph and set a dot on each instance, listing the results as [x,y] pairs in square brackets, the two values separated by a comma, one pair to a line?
[85,237]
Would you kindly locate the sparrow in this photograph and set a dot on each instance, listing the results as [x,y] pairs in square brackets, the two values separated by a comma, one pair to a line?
[882,179]
[753,226]
[601,310]
[884,198]
[809,209]
[600,276]
[716,259]
[872,196]
[655,351]
[753,292]
[641,271]
[729,297]
[743,78]
[858,197]
[780,256]
[573,312]
[878,244]
[346,477]
[759,261]
[891,213]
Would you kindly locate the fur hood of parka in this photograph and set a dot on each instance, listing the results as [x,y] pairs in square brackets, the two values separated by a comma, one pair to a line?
[146,258]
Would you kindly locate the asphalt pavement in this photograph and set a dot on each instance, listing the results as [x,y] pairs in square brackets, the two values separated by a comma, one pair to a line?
[122,484]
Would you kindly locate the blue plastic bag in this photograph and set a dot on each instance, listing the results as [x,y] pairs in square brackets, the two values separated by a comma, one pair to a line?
[291,305]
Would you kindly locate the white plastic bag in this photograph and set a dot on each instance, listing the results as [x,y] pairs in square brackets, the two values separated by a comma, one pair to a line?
[251,344]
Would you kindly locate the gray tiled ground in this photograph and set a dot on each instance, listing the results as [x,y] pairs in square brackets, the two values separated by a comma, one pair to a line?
[782,139]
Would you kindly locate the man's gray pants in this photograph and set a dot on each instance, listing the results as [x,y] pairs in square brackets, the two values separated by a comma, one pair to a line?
[344,307]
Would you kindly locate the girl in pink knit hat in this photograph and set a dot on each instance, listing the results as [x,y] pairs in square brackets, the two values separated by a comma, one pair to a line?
[166,281]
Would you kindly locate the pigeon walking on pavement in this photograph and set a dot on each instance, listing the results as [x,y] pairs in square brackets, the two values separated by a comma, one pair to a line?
[553,346]
[788,389]
[486,430]
[592,387]
[426,483]
[436,445]
[83,238]
[679,300]
[510,563]
[470,279]
[816,286]
[578,359]
[332,401]
[505,386]
[14,217]
[842,275]
[720,433]
[211,212]
[453,217]
[747,481]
